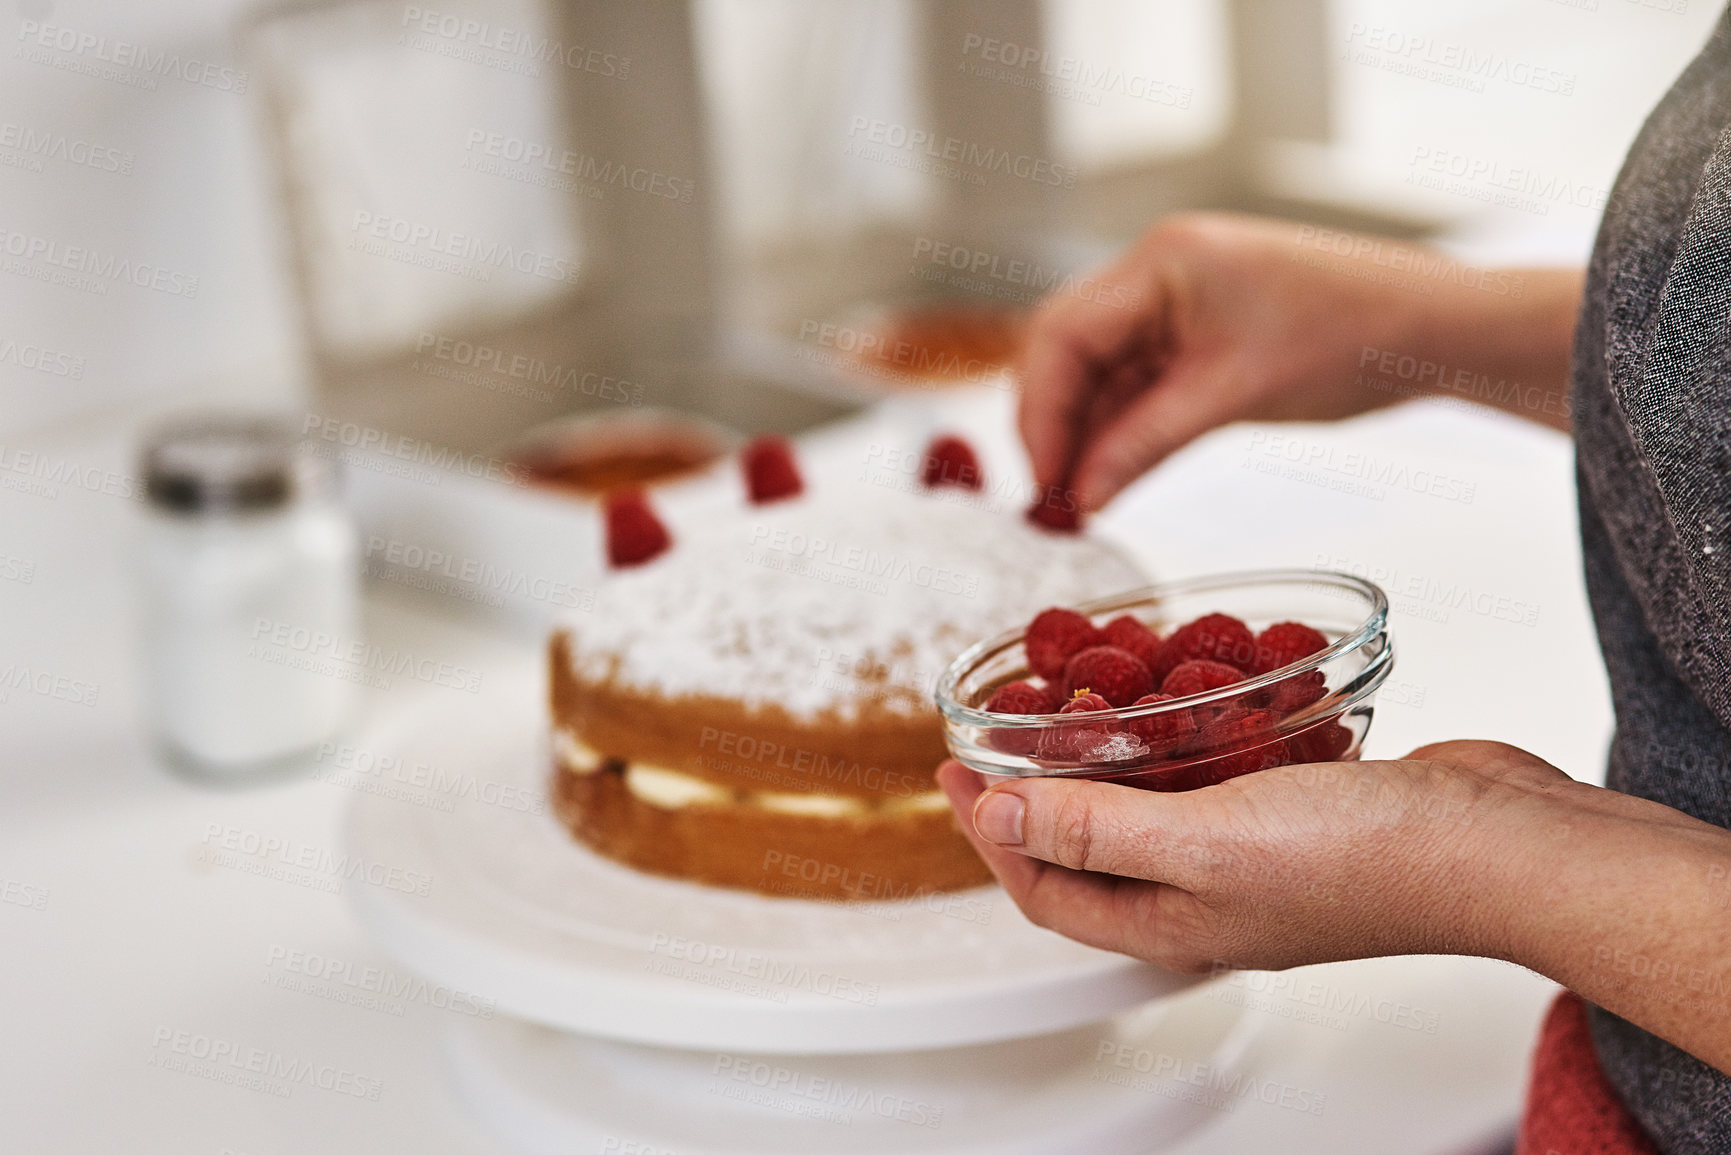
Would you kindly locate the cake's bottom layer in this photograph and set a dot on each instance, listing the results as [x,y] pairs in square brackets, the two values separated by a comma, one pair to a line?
[869,856]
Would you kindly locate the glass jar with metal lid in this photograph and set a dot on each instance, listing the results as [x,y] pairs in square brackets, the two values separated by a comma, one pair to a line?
[250,581]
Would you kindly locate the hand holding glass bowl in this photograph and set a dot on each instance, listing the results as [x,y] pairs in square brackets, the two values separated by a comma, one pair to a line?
[1317,709]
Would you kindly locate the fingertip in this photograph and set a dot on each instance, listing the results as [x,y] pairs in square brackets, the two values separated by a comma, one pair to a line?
[1095,484]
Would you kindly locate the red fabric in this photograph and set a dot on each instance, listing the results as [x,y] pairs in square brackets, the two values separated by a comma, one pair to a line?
[1572,1108]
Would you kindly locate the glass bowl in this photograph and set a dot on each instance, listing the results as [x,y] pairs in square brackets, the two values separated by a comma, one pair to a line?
[1315,710]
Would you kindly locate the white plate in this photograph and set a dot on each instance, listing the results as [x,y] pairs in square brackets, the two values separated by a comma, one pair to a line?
[516,912]
[1126,1086]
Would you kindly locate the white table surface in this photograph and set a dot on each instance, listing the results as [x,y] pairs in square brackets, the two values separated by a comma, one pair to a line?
[126,932]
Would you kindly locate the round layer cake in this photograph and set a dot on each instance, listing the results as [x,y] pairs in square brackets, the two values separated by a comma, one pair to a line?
[753,708]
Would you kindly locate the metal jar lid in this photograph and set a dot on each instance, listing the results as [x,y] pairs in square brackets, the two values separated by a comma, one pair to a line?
[226,463]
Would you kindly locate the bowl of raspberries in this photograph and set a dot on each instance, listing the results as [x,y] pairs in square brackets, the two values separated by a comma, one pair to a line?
[1176,686]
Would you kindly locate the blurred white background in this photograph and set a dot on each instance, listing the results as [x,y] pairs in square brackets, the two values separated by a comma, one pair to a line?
[193,194]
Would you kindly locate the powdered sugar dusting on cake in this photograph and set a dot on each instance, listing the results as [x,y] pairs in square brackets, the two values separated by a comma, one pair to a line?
[824,604]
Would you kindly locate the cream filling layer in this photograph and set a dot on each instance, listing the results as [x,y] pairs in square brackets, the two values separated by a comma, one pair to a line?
[673,790]
[575,754]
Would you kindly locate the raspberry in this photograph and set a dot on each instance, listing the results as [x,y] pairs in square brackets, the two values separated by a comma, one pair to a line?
[1022,698]
[1198,677]
[1290,695]
[771,473]
[1324,743]
[951,461]
[1127,633]
[1019,698]
[1076,742]
[1284,643]
[1168,728]
[634,533]
[1053,636]
[1246,738]
[1114,674]
[1055,509]
[1216,637]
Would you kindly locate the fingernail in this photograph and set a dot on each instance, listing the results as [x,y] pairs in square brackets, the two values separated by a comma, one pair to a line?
[998,818]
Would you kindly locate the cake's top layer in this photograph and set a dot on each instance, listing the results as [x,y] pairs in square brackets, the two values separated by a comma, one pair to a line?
[826,603]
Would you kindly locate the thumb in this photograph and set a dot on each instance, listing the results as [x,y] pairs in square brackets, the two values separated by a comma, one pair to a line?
[1094,826]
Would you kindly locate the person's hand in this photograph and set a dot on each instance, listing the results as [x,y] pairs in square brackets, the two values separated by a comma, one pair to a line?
[1284,867]
[1211,319]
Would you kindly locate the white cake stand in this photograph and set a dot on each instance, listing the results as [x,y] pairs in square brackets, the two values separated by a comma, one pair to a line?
[482,890]
[1129,1085]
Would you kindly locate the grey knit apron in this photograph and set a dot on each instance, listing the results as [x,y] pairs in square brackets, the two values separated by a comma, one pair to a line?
[1652,404]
